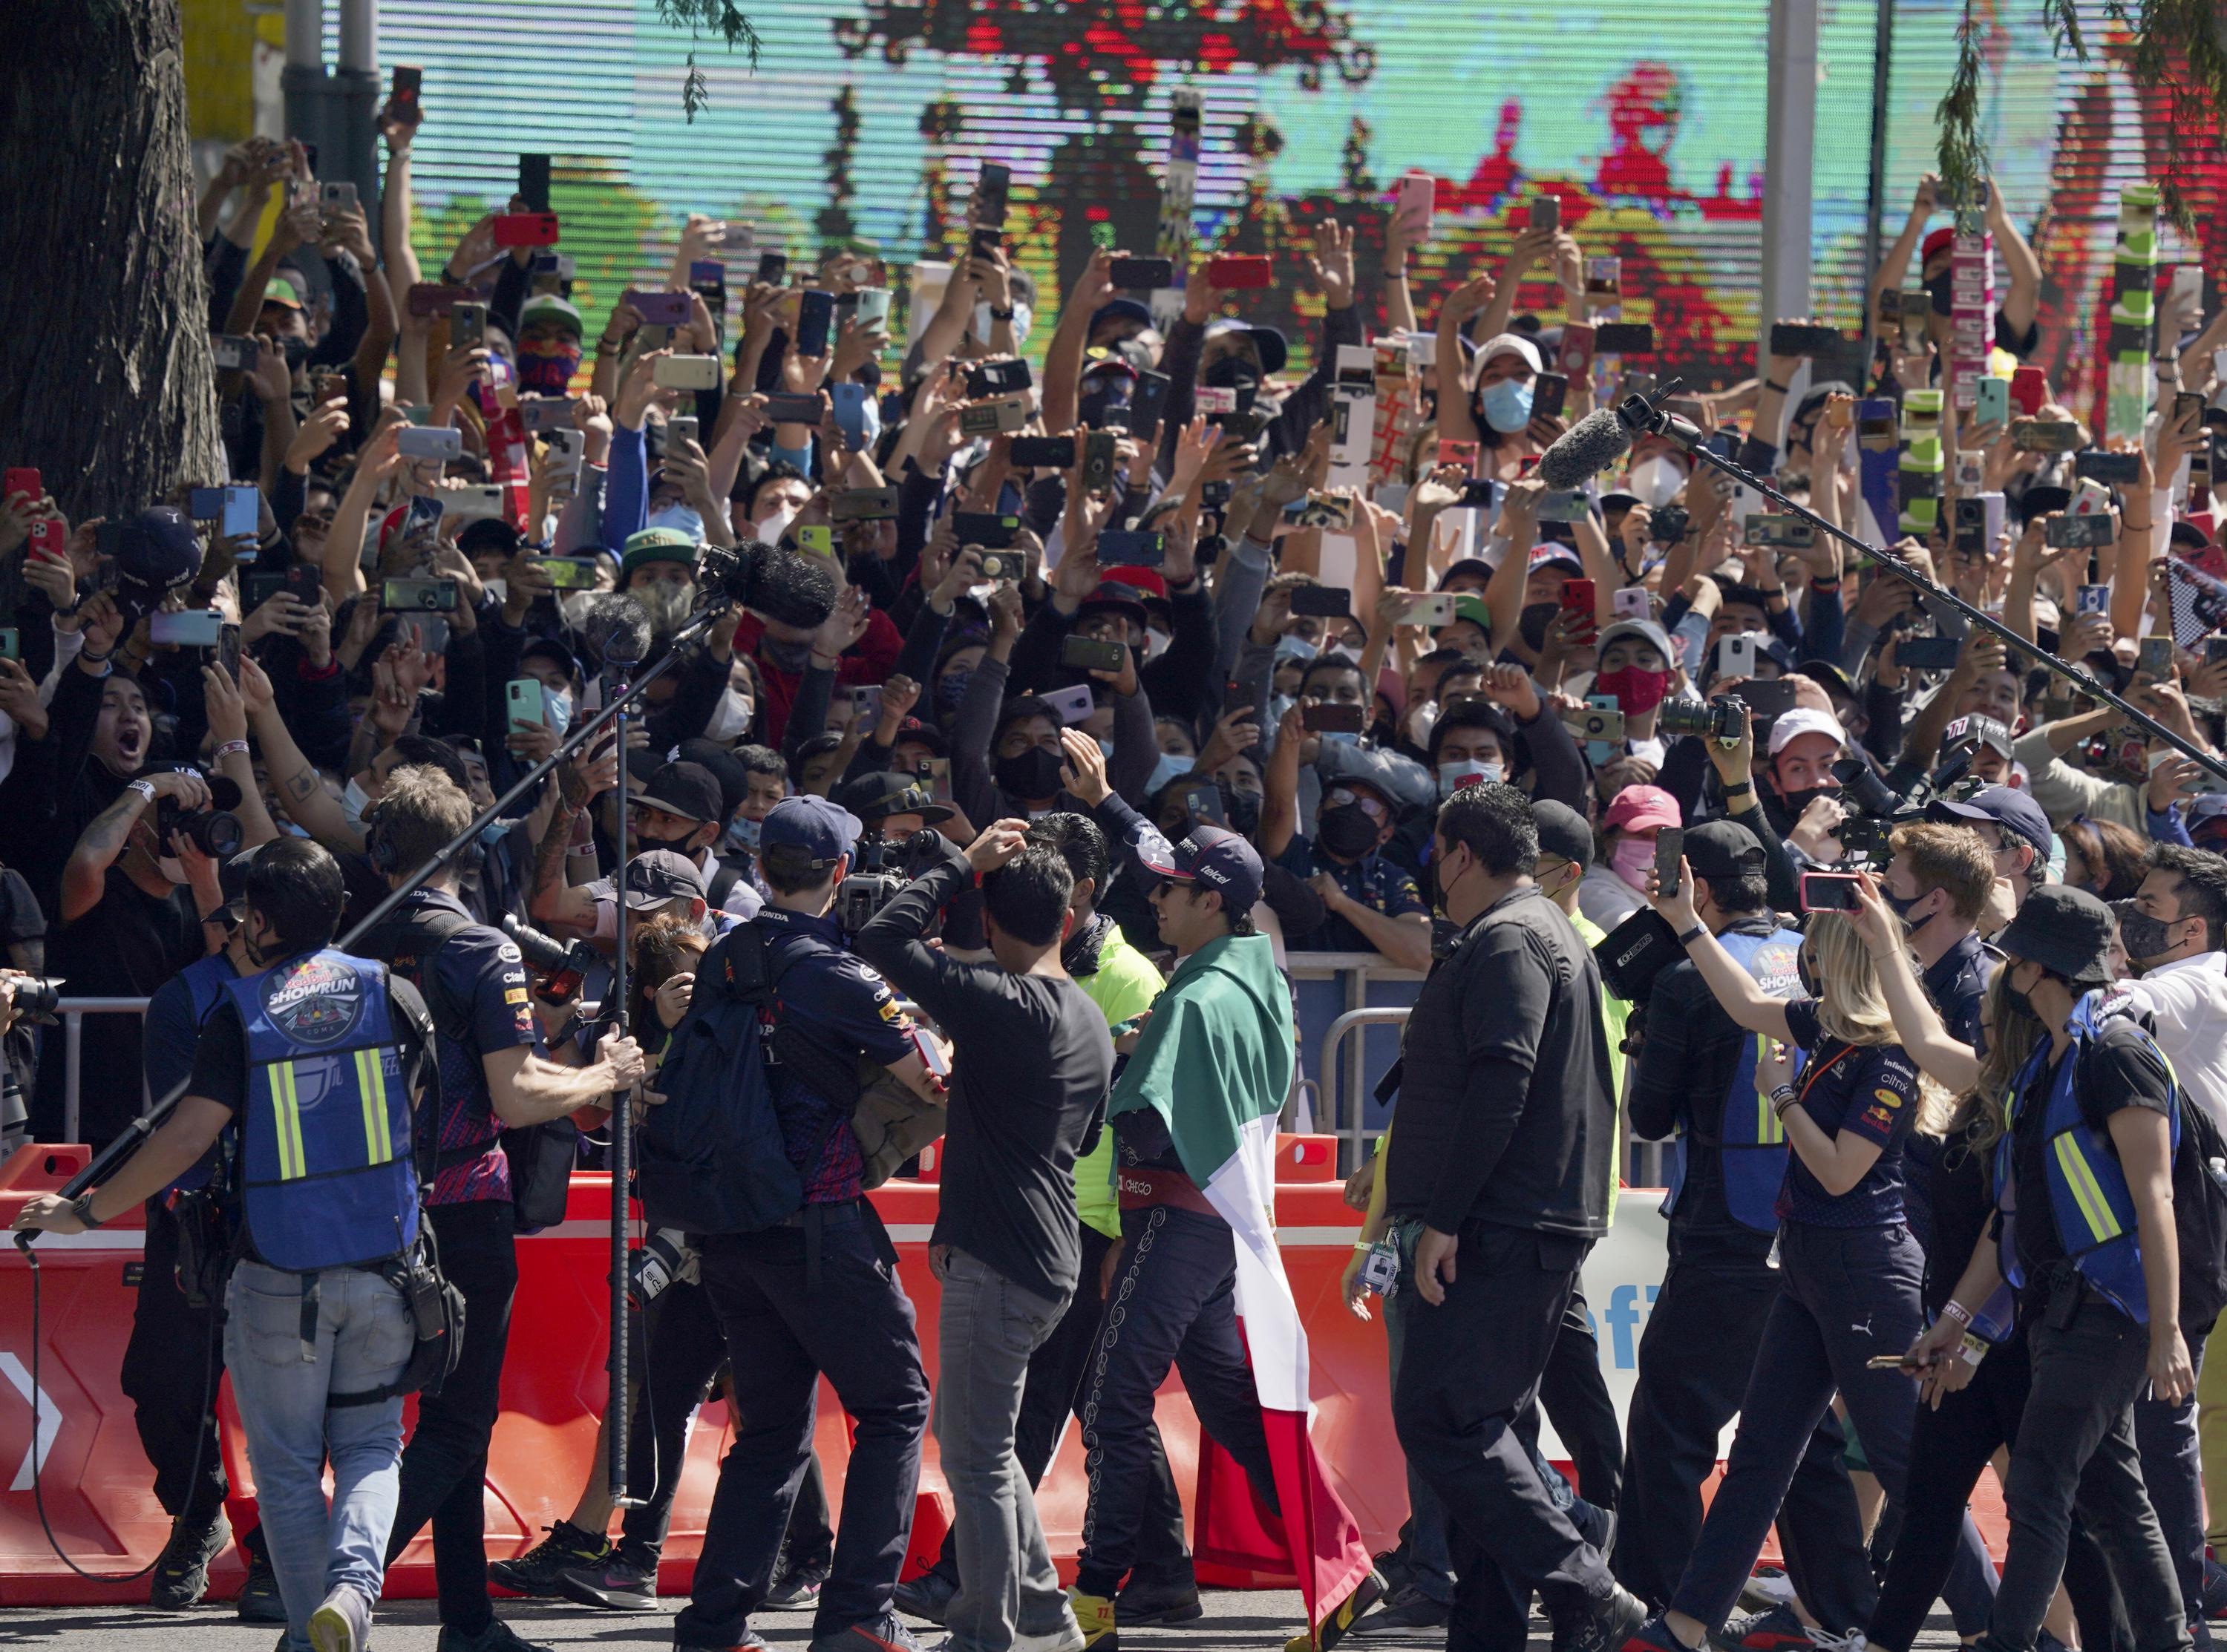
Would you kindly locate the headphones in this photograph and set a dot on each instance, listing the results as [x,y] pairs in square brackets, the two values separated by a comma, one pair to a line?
[376,844]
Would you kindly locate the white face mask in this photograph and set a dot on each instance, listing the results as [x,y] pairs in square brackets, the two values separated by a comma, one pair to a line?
[171,868]
[1022,317]
[1421,721]
[1172,766]
[354,801]
[1656,479]
[1156,643]
[1454,776]
[730,718]
[557,705]
[770,527]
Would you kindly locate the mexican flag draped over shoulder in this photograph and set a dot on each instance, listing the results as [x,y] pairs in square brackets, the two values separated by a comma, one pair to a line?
[1215,1062]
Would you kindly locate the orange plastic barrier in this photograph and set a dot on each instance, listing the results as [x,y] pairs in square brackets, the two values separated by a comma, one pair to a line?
[99,1487]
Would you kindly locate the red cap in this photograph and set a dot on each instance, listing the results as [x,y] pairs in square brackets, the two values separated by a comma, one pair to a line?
[1150,581]
[1939,241]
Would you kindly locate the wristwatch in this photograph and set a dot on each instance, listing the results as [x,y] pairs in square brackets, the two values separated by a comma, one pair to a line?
[998,314]
[1693,934]
[81,1207]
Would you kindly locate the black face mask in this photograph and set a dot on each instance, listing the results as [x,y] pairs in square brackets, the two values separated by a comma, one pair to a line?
[1232,372]
[1532,624]
[2017,1001]
[1943,291]
[644,842]
[1097,404]
[1032,774]
[1900,905]
[1795,802]
[2143,935]
[1348,830]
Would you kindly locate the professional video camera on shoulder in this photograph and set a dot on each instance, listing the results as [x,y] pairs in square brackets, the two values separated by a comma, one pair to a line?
[898,812]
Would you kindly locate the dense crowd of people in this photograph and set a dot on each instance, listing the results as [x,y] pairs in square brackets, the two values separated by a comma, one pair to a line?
[1062,706]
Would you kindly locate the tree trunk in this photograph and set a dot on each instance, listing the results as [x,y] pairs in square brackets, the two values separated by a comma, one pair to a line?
[106,383]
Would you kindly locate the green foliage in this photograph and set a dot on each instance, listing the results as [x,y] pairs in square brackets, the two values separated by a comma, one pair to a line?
[721,17]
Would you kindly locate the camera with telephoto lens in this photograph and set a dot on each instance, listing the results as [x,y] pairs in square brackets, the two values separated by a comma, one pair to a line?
[666,1256]
[1722,719]
[37,999]
[1865,837]
[215,830]
[559,967]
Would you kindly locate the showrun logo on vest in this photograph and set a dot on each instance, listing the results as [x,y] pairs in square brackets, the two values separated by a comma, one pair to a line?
[318,1001]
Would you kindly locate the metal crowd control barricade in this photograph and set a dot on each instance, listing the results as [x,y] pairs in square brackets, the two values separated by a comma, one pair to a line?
[73,1012]
[1336,992]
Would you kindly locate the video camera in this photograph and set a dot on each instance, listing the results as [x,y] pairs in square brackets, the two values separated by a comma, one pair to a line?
[880,869]
[561,967]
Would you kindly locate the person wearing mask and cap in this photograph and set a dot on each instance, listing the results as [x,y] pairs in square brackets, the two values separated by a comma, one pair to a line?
[1799,795]
[1694,1080]
[1497,412]
[1636,666]
[1373,903]
[1615,887]
[2063,791]
[819,1295]
[2095,1122]
[550,329]
[2019,841]
[895,808]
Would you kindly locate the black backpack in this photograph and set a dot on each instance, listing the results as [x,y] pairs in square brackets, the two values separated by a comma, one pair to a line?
[2199,1215]
[541,1156]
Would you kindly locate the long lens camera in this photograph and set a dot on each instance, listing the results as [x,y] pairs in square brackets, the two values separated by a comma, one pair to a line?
[1722,719]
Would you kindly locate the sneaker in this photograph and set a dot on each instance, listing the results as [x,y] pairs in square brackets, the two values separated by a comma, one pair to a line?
[1775,1630]
[748,1641]
[1853,1641]
[929,1596]
[1767,1586]
[1096,1614]
[181,1569]
[1067,1637]
[258,1601]
[497,1637]
[1607,1625]
[1341,1618]
[792,1590]
[621,1583]
[342,1622]
[1596,1525]
[1174,1600]
[1651,1636]
[1405,1612]
[885,1634]
[536,1571]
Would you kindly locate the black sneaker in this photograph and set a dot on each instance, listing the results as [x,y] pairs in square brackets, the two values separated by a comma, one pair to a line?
[622,1583]
[181,1570]
[497,1637]
[536,1571]
[1405,1612]
[929,1596]
[1605,1626]
[1170,1600]
[793,1591]
[882,1634]
[258,1601]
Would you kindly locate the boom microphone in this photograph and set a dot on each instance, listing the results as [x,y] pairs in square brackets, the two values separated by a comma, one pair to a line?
[617,629]
[789,587]
[1587,449]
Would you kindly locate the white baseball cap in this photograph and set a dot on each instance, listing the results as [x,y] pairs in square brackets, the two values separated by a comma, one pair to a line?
[1511,344]
[1805,719]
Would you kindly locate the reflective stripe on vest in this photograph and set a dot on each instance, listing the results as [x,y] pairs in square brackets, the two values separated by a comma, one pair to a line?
[2089,1198]
[326,1175]
[1751,1139]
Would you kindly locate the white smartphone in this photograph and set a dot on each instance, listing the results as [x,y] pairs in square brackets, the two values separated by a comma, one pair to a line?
[1074,705]
[1736,655]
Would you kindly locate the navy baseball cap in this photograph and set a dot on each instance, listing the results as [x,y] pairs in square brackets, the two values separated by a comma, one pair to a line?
[1126,309]
[808,833]
[1224,862]
[2018,814]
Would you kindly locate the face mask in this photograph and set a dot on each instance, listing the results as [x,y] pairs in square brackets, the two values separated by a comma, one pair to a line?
[644,843]
[557,705]
[1797,802]
[1278,705]
[171,868]
[546,366]
[1631,860]
[1232,372]
[770,527]
[1421,721]
[1106,749]
[1453,776]
[1637,692]
[681,517]
[1171,766]
[1032,774]
[2144,936]
[1532,624]
[2015,1000]
[731,720]
[1156,643]
[1348,830]
[1293,647]
[354,801]
[1243,809]
[1944,293]
[742,834]
[1900,905]
[1340,737]
[1656,479]
[950,687]
[1506,405]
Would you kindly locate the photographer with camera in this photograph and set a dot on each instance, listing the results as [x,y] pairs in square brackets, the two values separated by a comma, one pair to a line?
[317,1063]
[1033,1061]
[494,1075]
[816,1294]
[140,900]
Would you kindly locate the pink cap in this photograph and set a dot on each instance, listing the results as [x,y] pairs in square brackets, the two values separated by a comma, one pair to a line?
[1639,806]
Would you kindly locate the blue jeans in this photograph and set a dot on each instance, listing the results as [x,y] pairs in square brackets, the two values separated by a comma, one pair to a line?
[363,1339]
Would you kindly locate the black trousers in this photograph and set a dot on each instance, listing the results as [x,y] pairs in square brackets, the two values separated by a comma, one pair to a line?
[1053,1393]
[1695,1358]
[168,1365]
[789,1323]
[1574,1395]
[678,1350]
[1953,1444]
[2076,1447]
[1173,1303]
[1468,1370]
[445,1465]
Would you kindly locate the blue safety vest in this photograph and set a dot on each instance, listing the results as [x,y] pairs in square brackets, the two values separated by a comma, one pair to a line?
[2088,1198]
[1751,1140]
[326,1173]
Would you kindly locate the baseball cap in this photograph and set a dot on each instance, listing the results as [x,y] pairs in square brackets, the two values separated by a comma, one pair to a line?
[1126,309]
[809,833]
[1221,861]
[1399,779]
[1115,593]
[660,875]
[1562,831]
[2013,810]
[1638,807]
[1830,678]
[725,769]
[1468,605]
[913,731]
[551,309]
[1805,719]
[1647,631]
[2066,930]
[1511,344]
[2207,819]
[656,544]
[1147,582]
[1547,555]
[685,789]
[1939,241]
[876,797]
[2185,532]
[1268,341]
[284,291]
[1723,849]
[1466,565]
[490,534]
[551,649]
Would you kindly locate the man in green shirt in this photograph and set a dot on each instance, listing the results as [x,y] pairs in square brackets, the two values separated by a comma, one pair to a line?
[1122,982]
